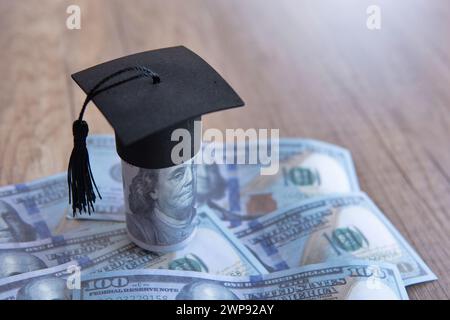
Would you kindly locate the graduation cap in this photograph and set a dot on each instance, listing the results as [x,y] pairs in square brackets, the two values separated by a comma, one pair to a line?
[145,97]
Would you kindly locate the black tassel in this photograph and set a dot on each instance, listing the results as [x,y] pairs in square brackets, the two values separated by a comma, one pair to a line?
[79,175]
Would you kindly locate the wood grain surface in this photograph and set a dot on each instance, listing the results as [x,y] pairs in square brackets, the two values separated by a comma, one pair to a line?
[310,68]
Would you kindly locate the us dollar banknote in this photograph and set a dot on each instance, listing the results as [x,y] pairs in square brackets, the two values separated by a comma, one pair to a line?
[37,210]
[22,257]
[213,249]
[160,205]
[307,168]
[37,271]
[344,280]
[107,169]
[238,192]
[55,283]
[329,228]
[24,208]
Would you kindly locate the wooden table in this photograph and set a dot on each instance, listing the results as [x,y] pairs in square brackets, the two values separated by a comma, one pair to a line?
[310,68]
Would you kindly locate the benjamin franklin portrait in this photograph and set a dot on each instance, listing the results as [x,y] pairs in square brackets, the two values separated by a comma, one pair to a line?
[205,290]
[162,202]
[12,227]
[46,288]
[13,263]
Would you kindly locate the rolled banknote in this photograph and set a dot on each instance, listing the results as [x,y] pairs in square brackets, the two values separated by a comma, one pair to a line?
[17,258]
[328,228]
[346,280]
[214,249]
[160,206]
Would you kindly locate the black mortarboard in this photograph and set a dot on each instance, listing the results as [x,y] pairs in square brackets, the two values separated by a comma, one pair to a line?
[145,96]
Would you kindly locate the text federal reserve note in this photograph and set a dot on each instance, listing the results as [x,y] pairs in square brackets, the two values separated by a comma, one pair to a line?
[341,280]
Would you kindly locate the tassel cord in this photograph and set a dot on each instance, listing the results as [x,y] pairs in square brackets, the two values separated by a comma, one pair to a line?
[79,174]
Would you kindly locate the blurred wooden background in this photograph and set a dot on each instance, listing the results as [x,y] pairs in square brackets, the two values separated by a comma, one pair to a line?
[308,67]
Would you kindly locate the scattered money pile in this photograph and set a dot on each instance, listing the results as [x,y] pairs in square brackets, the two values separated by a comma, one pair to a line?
[305,233]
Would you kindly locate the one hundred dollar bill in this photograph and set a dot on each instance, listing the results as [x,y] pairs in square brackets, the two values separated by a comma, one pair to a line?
[346,280]
[237,192]
[55,283]
[36,270]
[213,249]
[24,208]
[160,205]
[107,170]
[22,257]
[328,228]
[307,168]
[37,210]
